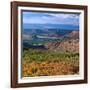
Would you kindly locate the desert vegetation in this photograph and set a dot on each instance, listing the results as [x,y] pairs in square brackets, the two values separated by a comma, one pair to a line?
[38,62]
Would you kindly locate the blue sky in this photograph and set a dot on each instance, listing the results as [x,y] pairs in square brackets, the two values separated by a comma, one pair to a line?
[50,18]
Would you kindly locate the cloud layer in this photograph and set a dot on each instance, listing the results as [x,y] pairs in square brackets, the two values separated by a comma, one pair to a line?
[50,18]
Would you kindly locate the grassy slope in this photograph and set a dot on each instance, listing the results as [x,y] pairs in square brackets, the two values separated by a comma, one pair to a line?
[38,62]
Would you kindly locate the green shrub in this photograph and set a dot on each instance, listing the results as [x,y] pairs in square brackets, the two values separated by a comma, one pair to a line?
[43,55]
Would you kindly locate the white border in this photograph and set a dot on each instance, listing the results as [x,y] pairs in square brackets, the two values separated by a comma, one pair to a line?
[51,78]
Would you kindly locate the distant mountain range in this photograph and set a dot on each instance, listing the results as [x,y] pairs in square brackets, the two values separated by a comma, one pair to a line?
[49,33]
[51,26]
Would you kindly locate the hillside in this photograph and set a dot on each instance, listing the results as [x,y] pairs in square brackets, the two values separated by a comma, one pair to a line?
[64,46]
[73,35]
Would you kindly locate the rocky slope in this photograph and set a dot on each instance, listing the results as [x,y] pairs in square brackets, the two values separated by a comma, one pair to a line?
[64,46]
[73,35]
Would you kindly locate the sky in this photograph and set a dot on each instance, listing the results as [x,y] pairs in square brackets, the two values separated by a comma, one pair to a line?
[50,18]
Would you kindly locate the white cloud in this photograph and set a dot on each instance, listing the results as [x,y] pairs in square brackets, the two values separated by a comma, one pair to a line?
[34,20]
[60,15]
[72,19]
[65,16]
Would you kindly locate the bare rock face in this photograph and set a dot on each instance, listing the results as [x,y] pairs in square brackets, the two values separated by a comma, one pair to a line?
[69,44]
[73,35]
[64,46]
